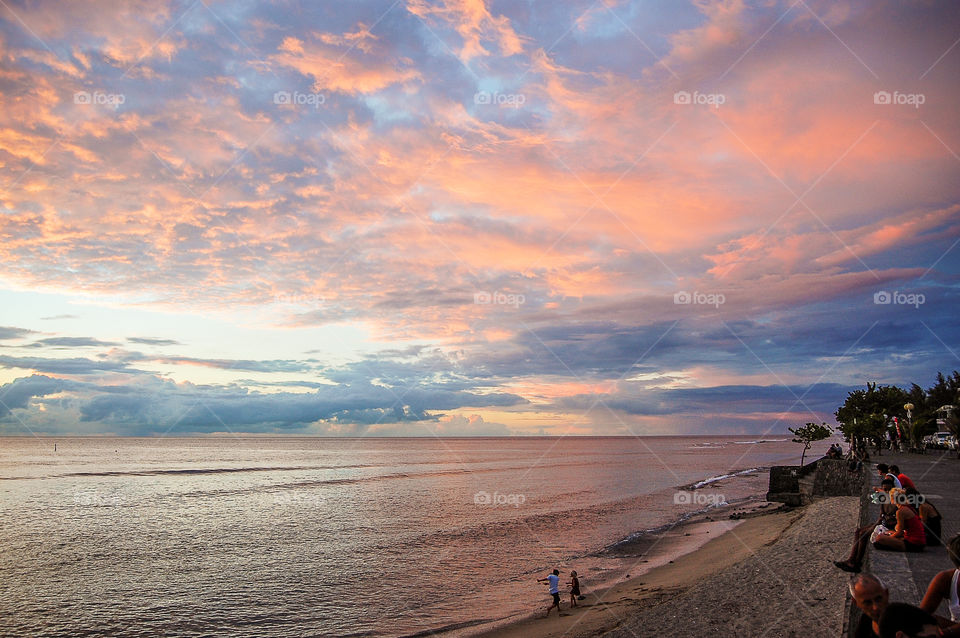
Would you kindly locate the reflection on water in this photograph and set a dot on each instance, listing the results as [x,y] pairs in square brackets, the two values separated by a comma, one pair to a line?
[329,537]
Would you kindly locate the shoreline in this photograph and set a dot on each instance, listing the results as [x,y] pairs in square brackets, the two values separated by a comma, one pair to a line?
[638,554]
[665,564]
[742,581]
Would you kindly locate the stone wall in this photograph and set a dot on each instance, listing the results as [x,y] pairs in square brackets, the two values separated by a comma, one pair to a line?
[834,478]
[795,485]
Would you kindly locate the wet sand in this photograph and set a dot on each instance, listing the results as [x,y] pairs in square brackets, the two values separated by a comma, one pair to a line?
[765,575]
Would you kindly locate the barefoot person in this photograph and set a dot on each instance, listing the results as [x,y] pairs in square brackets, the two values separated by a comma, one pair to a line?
[861,537]
[554,580]
[574,588]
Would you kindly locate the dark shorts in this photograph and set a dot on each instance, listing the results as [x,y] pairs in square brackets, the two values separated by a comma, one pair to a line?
[556,599]
[575,591]
[912,547]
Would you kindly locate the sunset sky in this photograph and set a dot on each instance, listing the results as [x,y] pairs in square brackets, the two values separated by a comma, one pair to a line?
[455,217]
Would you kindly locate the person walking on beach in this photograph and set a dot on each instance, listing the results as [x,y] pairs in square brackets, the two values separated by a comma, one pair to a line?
[574,588]
[554,580]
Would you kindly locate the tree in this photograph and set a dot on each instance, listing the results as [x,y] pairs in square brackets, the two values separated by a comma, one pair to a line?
[940,393]
[808,434]
[865,413]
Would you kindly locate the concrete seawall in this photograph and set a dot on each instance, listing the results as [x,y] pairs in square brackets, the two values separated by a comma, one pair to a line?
[796,485]
[823,478]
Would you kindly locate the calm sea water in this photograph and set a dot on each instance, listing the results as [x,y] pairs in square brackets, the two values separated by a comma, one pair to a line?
[331,537]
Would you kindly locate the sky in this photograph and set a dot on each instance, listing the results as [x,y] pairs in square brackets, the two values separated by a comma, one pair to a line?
[472,217]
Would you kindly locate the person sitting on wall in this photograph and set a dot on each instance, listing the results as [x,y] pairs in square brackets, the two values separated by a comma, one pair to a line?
[944,586]
[861,537]
[909,534]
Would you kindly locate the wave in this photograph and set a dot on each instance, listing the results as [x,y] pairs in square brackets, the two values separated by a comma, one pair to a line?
[683,518]
[351,480]
[760,441]
[714,479]
[290,468]
[192,471]
[215,470]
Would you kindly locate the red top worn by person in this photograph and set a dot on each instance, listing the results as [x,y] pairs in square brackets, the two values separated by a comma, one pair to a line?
[903,478]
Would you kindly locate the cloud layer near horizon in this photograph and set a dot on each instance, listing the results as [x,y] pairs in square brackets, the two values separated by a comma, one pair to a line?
[558,217]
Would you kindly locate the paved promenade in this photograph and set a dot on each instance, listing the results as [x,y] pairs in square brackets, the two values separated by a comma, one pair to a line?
[937,476]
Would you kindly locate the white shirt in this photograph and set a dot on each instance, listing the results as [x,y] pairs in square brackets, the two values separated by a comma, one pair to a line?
[954,603]
[555,584]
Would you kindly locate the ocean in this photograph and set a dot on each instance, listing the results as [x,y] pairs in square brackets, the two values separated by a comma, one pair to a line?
[336,537]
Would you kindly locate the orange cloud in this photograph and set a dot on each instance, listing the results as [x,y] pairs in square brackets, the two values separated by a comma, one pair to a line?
[475,24]
[340,71]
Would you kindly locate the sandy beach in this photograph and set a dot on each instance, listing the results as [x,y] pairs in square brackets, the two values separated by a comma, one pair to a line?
[765,575]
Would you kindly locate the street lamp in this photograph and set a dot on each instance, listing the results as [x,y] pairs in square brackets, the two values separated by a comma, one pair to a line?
[909,408]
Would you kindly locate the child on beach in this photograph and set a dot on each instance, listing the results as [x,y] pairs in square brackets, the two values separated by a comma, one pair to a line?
[574,588]
[554,580]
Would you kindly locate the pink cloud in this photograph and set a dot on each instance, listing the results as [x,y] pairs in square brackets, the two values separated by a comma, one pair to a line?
[475,24]
[339,68]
